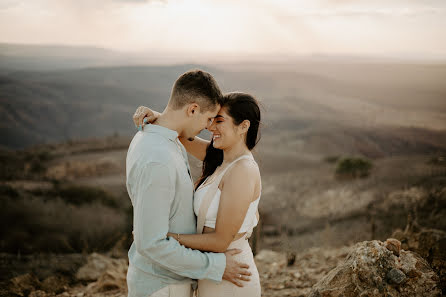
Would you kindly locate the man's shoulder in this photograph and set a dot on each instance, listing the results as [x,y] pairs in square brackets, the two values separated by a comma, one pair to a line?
[151,148]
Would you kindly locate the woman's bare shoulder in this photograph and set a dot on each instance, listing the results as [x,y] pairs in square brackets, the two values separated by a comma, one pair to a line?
[242,171]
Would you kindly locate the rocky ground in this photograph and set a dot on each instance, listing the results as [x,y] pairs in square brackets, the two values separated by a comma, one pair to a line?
[103,275]
[369,268]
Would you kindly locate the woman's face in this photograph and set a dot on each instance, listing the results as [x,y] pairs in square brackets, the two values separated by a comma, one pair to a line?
[224,131]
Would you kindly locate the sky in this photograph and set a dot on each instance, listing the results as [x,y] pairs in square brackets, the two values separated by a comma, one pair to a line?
[233,27]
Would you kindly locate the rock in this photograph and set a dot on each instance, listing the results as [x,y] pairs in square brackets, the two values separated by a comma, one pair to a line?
[274,260]
[396,276]
[279,279]
[371,269]
[270,257]
[38,293]
[55,284]
[393,245]
[23,285]
[96,266]
[109,274]
[114,278]
[430,244]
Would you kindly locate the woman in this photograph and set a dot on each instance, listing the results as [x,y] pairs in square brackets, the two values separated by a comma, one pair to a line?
[228,192]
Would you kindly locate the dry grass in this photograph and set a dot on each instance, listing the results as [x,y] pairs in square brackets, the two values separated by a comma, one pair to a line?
[30,224]
[310,207]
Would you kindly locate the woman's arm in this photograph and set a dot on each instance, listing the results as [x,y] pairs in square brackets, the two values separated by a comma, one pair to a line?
[236,195]
[196,148]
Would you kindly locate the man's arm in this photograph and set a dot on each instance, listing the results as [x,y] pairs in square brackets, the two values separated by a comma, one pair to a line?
[155,191]
[236,196]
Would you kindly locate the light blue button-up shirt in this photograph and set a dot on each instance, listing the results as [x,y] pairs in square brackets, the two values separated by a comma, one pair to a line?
[161,191]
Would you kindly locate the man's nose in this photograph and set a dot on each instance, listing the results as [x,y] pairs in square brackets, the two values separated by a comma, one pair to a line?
[210,126]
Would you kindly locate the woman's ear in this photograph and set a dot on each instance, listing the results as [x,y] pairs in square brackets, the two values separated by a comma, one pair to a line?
[245,126]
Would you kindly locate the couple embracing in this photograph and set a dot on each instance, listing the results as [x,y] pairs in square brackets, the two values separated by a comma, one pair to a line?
[183,231]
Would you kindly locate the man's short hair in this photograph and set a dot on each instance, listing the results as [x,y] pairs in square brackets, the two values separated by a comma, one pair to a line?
[196,86]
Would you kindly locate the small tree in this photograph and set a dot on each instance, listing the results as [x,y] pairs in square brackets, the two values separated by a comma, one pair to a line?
[353,168]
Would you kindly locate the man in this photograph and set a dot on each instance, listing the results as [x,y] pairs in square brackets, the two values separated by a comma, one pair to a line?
[161,191]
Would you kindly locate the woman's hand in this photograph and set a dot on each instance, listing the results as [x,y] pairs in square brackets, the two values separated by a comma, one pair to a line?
[144,115]
[172,235]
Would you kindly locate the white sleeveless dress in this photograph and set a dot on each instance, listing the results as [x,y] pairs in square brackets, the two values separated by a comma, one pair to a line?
[208,288]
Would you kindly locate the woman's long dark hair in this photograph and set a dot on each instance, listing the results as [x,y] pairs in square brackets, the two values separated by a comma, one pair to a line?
[240,107]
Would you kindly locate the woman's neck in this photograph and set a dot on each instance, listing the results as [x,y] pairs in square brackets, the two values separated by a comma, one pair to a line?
[235,151]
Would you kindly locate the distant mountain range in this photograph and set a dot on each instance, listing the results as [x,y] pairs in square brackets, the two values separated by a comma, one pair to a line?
[41,57]
[55,106]
[51,94]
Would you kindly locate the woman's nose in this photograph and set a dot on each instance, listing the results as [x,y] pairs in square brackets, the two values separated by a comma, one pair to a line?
[211,127]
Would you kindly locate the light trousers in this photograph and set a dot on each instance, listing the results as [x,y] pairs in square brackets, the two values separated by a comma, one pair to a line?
[176,290]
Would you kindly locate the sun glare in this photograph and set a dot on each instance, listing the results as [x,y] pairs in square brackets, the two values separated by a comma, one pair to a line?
[231,27]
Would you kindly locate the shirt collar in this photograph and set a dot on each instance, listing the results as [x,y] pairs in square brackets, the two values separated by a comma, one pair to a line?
[166,132]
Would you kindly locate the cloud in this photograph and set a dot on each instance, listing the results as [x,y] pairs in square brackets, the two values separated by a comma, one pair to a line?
[230,26]
[7,4]
[349,12]
[141,1]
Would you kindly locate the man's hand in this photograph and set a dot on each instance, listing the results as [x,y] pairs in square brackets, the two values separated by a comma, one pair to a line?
[235,272]
[144,112]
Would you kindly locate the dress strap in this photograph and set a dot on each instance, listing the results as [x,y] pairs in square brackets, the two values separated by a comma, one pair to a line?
[232,163]
[220,175]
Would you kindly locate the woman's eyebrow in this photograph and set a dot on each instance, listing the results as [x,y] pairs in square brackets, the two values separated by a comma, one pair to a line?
[219,116]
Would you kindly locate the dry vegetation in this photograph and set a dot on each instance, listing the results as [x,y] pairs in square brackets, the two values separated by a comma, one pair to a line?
[47,212]
[346,155]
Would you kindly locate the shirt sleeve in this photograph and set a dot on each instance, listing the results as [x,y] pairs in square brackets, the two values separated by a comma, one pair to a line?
[155,192]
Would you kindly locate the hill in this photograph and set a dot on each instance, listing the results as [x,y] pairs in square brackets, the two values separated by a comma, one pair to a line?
[306,108]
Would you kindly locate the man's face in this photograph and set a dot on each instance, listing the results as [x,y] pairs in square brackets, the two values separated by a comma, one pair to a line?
[202,121]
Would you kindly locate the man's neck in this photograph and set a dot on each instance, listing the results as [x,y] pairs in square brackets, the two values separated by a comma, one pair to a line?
[169,119]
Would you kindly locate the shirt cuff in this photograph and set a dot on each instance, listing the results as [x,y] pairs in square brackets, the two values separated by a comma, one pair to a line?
[217,267]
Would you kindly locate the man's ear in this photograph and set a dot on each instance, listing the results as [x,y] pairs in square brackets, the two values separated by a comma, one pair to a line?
[192,109]
[244,126]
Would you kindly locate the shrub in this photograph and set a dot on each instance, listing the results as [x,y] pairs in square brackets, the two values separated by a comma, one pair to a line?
[79,195]
[8,191]
[14,164]
[11,165]
[37,166]
[29,225]
[353,168]
[438,160]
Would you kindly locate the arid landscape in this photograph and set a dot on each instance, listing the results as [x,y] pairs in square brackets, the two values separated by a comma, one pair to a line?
[352,150]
